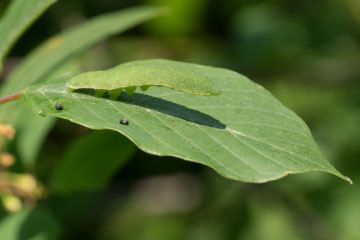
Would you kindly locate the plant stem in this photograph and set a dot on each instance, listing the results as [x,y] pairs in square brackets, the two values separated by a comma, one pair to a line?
[9,98]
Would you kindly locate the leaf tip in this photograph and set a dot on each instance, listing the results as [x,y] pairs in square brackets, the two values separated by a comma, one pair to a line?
[348,180]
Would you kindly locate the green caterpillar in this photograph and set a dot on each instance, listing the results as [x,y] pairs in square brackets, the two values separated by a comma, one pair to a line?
[143,74]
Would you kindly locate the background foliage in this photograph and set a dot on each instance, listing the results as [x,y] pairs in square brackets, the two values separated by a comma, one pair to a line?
[306,53]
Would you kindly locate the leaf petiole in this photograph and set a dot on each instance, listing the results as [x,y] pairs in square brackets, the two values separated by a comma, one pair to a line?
[9,98]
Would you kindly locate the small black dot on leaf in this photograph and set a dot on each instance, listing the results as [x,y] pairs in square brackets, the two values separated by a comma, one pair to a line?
[59,106]
[124,121]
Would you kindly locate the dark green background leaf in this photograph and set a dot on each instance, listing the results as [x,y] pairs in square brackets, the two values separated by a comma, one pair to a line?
[91,161]
[36,224]
[18,17]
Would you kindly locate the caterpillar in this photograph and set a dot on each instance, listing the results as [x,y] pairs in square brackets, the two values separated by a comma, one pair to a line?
[143,74]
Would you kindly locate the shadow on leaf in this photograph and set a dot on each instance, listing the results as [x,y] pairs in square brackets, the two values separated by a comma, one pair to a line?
[164,106]
[171,108]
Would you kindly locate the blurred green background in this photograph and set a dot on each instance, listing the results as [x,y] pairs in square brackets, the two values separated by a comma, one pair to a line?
[307,53]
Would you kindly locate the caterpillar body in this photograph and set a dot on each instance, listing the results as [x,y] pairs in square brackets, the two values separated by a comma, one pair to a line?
[143,74]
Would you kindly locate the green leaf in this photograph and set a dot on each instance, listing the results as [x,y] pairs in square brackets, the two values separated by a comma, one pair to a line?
[57,50]
[17,18]
[34,224]
[244,134]
[144,74]
[90,162]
